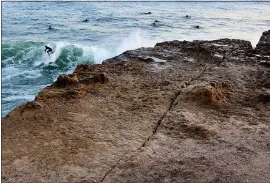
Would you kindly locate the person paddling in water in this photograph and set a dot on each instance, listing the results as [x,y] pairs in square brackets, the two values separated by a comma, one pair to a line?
[48,49]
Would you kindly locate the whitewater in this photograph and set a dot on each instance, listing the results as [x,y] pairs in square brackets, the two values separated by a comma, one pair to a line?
[113,28]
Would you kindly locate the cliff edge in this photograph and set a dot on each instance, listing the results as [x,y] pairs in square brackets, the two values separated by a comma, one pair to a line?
[179,112]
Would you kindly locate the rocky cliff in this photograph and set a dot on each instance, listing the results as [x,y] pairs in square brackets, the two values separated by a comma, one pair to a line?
[179,112]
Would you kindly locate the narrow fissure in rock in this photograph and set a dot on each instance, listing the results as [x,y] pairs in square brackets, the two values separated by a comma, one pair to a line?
[158,123]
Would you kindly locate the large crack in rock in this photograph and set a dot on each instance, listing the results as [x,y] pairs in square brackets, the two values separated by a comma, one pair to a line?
[159,122]
[179,112]
[211,134]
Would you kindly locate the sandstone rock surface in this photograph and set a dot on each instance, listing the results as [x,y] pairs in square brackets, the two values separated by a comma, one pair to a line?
[179,112]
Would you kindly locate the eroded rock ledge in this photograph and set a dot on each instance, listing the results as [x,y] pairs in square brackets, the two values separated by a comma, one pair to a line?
[179,112]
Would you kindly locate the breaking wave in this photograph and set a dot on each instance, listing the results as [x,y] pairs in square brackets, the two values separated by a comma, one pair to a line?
[27,68]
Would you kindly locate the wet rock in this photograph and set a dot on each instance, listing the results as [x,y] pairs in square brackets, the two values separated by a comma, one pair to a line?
[170,44]
[33,105]
[265,63]
[217,58]
[66,80]
[265,96]
[101,78]
[206,93]
[263,46]
[91,78]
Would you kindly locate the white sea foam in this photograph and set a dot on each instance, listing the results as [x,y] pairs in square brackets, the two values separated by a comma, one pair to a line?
[12,71]
[18,97]
[135,39]
[100,54]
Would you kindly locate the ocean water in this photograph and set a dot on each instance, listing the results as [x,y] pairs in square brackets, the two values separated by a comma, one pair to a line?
[113,28]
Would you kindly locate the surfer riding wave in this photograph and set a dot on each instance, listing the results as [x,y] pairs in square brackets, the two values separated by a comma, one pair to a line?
[48,50]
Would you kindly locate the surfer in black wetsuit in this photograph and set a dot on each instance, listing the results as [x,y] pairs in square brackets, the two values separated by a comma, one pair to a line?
[48,49]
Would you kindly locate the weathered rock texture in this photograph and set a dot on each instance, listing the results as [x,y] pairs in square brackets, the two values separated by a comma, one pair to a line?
[179,112]
[263,47]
